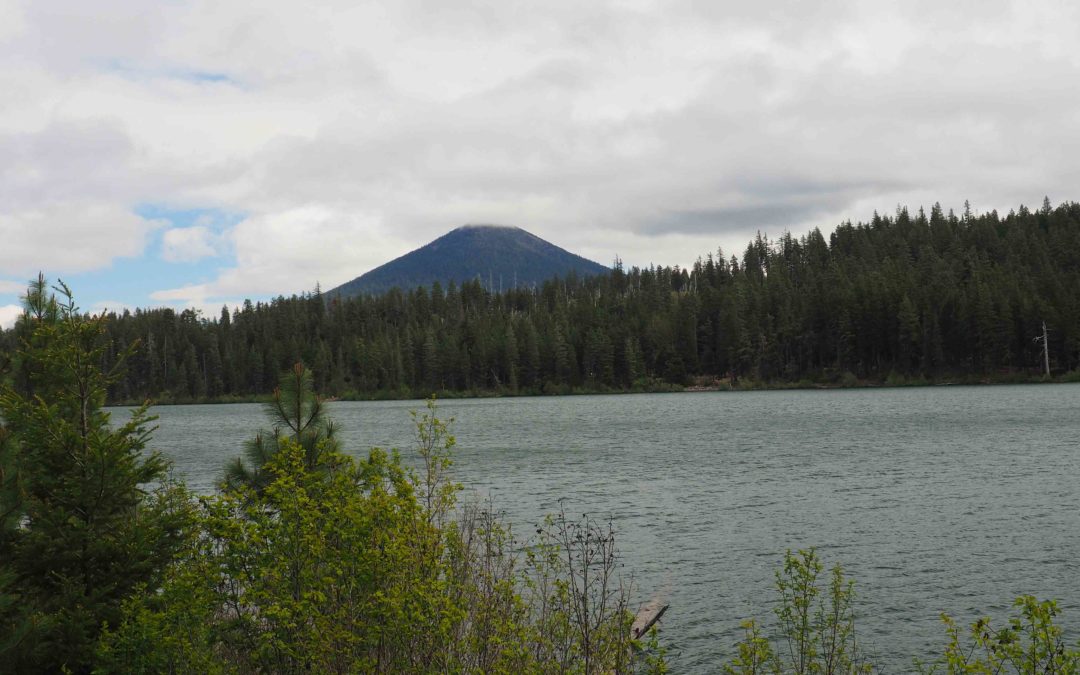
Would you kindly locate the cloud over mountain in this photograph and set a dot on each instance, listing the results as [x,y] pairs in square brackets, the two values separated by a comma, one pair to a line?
[651,130]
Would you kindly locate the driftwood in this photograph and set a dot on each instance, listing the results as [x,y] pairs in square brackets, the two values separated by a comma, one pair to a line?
[646,617]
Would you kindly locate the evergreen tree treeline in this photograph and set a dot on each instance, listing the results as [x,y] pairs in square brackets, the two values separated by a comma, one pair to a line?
[906,296]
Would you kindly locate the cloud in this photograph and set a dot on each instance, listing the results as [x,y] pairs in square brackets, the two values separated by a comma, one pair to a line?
[293,250]
[58,199]
[68,193]
[189,244]
[657,131]
[9,314]
[45,238]
[766,204]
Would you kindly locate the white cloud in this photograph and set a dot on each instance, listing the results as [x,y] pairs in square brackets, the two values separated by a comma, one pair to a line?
[8,315]
[657,131]
[189,244]
[11,21]
[68,192]
[291,250]
[69,237]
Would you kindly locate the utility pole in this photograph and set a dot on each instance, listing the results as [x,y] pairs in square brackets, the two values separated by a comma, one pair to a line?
[1046,348]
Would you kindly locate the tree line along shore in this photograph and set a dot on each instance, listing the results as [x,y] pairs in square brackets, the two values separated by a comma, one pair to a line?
[923,297]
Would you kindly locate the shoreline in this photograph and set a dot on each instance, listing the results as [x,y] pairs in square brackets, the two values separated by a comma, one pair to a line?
[700,385]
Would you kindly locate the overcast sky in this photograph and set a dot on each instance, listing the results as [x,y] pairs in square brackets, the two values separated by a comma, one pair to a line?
[199,153]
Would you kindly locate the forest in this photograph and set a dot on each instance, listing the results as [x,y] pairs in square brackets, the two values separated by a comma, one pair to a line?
[904,298]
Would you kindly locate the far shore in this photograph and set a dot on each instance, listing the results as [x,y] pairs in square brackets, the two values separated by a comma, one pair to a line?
[653,386]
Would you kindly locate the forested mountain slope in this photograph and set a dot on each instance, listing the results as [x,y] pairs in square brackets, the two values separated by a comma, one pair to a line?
[912,295]
[499,257]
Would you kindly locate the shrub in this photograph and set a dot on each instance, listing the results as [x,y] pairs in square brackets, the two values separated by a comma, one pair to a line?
[816,626]
[1030,644]
[366,566]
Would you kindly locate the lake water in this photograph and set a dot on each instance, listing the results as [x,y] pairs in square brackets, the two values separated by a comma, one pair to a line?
[934,499]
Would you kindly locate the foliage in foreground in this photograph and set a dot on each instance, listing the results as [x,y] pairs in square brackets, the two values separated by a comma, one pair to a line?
[79,526]
[815,634]
[365,566]
[295,413]
[816,626]
[1029,643]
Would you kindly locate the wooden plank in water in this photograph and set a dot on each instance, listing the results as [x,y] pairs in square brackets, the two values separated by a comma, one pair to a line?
[645,618]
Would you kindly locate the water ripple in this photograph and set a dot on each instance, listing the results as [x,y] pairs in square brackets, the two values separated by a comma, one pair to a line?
[936,499]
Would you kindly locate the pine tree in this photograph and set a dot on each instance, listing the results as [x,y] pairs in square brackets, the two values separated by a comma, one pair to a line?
[88,534]
[635,364]
[296,413]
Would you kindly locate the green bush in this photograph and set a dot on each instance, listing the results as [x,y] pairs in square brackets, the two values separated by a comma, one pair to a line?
[1031,643]
[815,625]
[365,566]
[815,633]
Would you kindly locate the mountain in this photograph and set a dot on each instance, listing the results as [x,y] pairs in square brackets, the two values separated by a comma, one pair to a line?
[501,255]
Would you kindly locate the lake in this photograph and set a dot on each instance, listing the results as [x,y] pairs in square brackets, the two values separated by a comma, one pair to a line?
[934,499]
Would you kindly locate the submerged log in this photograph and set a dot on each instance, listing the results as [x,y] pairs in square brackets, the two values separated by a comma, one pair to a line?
[645,618]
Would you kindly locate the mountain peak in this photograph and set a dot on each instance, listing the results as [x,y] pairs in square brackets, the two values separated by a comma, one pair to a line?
[487,226]
[500,255]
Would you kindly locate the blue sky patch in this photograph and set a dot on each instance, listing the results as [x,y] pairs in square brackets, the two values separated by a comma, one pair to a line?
[130,281]
[131,72]
[216,218]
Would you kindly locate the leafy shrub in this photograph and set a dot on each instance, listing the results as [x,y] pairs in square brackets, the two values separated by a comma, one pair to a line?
[816,626]
[1030,644]
[365,566]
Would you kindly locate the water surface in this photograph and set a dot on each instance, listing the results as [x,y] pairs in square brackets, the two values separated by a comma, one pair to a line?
[935,499]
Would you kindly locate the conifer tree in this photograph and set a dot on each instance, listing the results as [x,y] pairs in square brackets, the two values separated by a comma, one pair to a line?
[296,413]
[90,527]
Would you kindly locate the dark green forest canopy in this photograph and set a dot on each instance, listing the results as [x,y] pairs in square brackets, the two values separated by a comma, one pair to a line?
[913,295]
